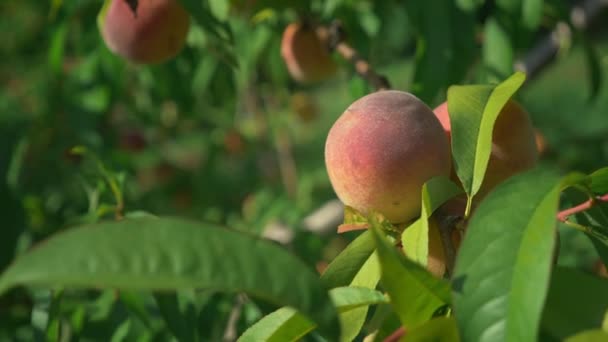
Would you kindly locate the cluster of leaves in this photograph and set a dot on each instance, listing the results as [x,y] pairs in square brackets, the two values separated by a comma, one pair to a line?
[206,136]
[501,282]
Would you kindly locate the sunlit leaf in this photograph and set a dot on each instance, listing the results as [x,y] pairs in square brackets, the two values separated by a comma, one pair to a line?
[414,293]
[473,109]
[286,324]
[160,254]
[415,238]
[504,263]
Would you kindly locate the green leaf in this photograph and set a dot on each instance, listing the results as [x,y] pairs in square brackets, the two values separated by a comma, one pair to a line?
[415,238]
[220,8]
[344,268]
[445,45]
[596,335]
[414,293]
[594,67]
[160,254]
[532,13]
[469,5]
[497,53]
[598,181]
[437,329]
[348,298]
[57,48]
[179,315]
[473,110]
[504,263]
[368,276]
[286,324]
[576,301]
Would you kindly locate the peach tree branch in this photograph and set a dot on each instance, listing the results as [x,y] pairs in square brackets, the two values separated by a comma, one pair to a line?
[335,37]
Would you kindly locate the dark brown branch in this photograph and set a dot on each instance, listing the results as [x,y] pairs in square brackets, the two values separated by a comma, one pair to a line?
[335,37]
[545,51]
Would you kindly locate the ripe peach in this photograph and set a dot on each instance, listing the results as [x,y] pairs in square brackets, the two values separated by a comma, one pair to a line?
[513,144]
[155,33]
[381,151]
[305,54]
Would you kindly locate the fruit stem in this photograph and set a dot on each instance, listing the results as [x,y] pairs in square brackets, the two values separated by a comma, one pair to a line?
[334,35]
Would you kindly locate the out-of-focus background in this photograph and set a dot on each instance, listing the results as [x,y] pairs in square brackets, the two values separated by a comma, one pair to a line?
[222,134]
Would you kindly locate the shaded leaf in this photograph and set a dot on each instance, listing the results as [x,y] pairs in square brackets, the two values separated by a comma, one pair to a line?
[576,301]
[594,67]
[437,329]
[504,263]
[415,238]
[497,52]
[532,13]
[445,45]
[598,181]
[159,254]
[179,316]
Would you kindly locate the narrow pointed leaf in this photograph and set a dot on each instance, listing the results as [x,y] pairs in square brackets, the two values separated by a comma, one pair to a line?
[283,325]
[368,276]
[532,13]
[286,324]
[344,268]
[503,267]
[159,254]
[473,110]
[414,293]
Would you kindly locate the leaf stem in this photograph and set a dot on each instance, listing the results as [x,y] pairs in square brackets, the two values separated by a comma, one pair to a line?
[588,204]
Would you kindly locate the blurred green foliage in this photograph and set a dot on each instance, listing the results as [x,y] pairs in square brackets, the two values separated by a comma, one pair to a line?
[221,134]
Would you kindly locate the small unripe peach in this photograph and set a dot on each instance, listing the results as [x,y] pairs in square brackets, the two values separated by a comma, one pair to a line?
[381,151]
[307,57]
[513,144]
[154,33]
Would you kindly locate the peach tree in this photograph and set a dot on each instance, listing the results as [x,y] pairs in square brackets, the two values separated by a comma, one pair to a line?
[453,218]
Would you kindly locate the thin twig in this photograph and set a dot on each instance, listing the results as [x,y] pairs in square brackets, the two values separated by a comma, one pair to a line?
[335,37]
[590,203]
[396,335]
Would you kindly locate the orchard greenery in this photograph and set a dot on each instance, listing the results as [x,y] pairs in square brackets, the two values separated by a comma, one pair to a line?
[173,176]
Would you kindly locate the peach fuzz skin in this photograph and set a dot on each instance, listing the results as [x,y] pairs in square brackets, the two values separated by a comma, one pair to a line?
[306,56]
[155,34]
[381,151]
[514,147]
